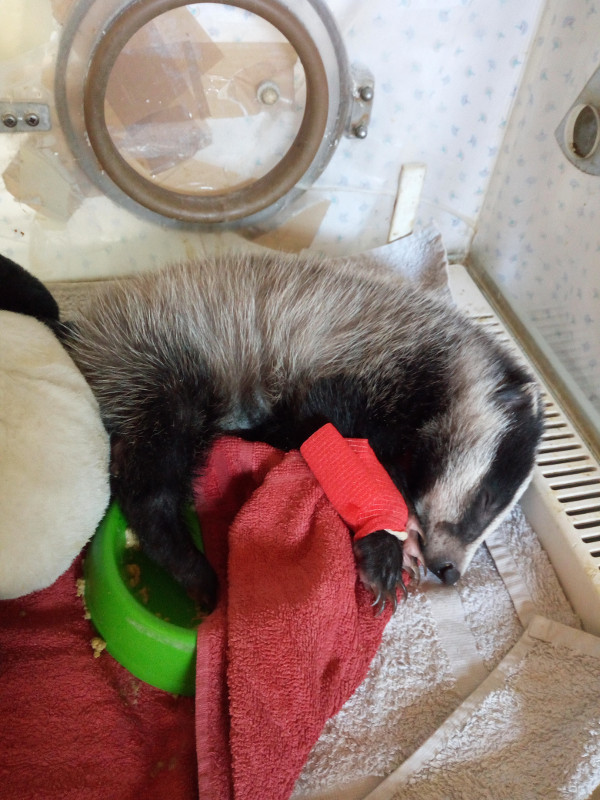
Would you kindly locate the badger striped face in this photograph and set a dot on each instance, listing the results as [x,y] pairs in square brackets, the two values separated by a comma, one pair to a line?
[475,463]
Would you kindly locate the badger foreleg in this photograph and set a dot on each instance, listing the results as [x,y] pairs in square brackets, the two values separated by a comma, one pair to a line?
[381,558]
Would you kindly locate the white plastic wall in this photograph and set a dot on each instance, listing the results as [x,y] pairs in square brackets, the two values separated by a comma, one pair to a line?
[445,74]
[538,233]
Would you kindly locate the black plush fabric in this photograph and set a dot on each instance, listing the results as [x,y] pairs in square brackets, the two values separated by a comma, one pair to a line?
[24,294]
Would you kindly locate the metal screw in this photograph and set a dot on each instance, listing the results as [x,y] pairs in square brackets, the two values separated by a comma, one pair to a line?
[360,131]
[9,120]
[268,93]
[366,93]
[32,120]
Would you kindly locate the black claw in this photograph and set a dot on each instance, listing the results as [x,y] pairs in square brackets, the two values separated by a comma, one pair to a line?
[380,560]
[404,589]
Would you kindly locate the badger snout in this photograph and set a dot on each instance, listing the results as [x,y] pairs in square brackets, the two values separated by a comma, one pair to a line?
[444,553]
[445,571]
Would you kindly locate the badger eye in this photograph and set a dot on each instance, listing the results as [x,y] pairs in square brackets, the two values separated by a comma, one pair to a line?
[486,499]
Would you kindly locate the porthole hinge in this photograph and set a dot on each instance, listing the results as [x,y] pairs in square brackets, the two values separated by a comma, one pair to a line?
[23,117]
[363,93]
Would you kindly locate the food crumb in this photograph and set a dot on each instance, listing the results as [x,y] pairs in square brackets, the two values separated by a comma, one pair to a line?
[98,645]
[80,589]
[133,571]
[144,595]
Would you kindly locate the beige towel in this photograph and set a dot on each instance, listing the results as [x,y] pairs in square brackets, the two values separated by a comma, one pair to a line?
[530,731]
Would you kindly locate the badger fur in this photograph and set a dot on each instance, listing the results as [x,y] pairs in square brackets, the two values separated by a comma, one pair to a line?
[272,347]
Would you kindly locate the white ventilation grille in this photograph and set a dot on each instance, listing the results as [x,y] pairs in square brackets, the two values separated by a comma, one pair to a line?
[562,503]
[563,460]
[573,476]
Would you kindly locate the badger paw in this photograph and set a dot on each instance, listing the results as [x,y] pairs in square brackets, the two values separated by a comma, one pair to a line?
[199,579]
[381,559]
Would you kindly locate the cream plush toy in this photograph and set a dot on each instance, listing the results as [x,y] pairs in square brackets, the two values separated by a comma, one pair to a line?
[54,451]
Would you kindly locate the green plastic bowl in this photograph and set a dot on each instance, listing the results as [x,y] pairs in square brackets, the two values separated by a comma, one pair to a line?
[145,617]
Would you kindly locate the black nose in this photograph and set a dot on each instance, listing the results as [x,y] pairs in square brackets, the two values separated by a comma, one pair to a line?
[447,573]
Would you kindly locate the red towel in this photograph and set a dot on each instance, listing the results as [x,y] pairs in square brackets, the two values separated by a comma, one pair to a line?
[75,727]
[294,631]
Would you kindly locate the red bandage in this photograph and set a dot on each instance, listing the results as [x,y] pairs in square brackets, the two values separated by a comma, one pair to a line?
[355,482]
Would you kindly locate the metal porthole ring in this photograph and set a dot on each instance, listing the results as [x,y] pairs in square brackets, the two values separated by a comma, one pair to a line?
[215,207]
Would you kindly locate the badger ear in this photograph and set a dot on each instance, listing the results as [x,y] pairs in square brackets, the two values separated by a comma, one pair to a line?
[517,397]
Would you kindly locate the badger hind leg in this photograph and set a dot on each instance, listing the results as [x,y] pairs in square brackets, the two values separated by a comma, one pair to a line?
[152,473]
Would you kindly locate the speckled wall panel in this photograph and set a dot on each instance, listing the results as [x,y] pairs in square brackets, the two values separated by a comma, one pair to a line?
[539,231]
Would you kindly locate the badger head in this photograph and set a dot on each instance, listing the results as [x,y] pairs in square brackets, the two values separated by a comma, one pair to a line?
[471,464]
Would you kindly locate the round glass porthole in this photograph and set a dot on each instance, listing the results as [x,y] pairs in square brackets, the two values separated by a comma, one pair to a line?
[198,113]
[582,131]
[204,113]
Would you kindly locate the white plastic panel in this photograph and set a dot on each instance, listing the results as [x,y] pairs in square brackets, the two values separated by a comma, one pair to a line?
[445,74]
[538,236]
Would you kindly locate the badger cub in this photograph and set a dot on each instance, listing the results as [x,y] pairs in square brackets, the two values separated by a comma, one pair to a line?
[270,348]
